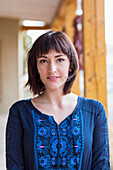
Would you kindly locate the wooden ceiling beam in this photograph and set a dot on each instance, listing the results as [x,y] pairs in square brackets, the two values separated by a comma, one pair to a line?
[58,22]
[35,28]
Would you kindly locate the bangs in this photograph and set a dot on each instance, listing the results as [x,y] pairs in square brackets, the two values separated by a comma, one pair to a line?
[52,42]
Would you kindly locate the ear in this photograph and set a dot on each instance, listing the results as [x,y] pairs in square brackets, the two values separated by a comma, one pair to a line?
[70,69]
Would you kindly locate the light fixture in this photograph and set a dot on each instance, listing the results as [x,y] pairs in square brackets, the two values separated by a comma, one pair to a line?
[79,10]
[31,23]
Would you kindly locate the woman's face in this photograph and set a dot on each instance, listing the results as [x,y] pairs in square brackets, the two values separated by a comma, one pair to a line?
[53,68]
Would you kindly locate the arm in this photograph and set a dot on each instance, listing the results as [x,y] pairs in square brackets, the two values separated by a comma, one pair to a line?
[100,155]
[14,142]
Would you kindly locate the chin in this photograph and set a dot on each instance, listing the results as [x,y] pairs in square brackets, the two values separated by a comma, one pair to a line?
[55,87]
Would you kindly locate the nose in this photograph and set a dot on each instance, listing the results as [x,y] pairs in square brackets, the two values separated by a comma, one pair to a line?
[52,67]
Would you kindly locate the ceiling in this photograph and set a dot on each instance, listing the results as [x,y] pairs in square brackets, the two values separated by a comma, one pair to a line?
[42,10]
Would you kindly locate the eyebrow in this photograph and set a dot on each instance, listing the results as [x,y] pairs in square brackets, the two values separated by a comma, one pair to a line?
[60,55]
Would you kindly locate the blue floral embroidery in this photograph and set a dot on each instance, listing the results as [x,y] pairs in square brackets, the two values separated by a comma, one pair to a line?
[54,146]
[58,146]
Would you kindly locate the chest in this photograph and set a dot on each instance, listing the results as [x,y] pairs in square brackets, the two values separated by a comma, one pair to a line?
[58,145]
[58,114]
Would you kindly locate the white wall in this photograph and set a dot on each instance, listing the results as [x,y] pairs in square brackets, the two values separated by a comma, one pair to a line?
[9,63]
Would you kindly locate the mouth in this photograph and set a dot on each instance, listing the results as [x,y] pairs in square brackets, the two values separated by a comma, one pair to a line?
[53,78]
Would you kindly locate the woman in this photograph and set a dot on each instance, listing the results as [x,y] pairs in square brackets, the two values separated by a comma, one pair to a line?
[56,129]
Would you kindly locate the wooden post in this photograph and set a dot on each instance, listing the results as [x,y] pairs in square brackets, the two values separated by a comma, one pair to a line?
[70,8]
[94,50]
[89,49]
[101,53]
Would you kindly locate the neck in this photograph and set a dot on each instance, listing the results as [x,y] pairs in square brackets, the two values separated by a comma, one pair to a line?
[54,97]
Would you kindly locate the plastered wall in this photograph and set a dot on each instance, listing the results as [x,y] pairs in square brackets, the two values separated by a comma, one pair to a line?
[8,63]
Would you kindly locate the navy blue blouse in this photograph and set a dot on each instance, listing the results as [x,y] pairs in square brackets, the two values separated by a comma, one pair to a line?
[35,141]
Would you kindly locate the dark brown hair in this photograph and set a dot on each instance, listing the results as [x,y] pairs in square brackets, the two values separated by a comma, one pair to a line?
[52,40]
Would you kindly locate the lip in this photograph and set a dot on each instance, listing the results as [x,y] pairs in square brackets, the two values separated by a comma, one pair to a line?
[53,78]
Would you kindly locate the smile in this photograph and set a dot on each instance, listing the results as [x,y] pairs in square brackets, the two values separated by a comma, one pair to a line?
[53,78]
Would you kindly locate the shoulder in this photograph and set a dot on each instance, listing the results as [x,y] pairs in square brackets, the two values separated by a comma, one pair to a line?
[91,105]
[19,105]
[19,110]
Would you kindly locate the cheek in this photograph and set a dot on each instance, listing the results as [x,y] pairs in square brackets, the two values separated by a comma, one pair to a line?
[40,69]
[66,68]
[65,72]
[41,73]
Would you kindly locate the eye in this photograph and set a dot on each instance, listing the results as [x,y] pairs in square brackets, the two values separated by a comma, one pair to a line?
[60,60]
[43,61]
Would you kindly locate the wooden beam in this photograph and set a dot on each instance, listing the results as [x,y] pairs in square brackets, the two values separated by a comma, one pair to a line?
[70,8]
[58,23]
[34,28]
[94,50]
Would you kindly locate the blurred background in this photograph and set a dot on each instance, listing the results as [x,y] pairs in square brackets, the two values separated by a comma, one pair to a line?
[89,24]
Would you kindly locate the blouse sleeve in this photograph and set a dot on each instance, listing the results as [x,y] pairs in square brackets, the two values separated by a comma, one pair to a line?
[100,157]
[14,142]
